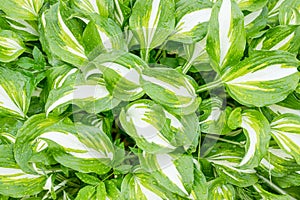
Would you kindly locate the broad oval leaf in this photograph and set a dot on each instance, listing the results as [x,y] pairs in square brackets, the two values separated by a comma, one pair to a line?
[285,129]
[176,173]
[79,147]
[102,35]
[15,93]
[251,5]
[255,21]
[280,38]
[226,37]
[192,20]
[289,16]
[13,181]
[62,35]
[151,22]
[22,9]
[156,130]
[11,46]
[265,78]
[121,72]
[171,89]
[290,105]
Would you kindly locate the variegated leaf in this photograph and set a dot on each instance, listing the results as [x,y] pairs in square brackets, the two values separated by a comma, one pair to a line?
[226,37]
[121,72]
[173,172]
[268,195]
[102,35]
[11,46]
[251,5]
[290,105]
[13,181]
[278,163]
[280,38]
[89,95]
[156,130]
[15,93]
[285,129]
[62,35]
[257,131]
[101,7]
[151,22]
[219,189]
[28,30]
[265,78]
[255,21]
[171,89]
[22,9]
[192,20]
[79,147]
[289,16]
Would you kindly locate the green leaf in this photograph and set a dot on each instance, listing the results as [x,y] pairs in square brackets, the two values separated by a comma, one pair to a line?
[151,22]
[289,16]
[155,130]
[102,35]
[255,21]
[86,193]
[191,23]
[15,93]
[290,105]
[89,179]
[101,7]
[11,46]
[268,195]
[62,35]
[219,189]
[22,9]
[265,78]
[226,37]
[285,129]
[79,147]
[280,38]
[171,89]
[13,181]
[251,5]
[121,72]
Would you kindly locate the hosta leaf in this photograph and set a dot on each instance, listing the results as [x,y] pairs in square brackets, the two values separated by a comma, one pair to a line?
[13,181]
[171,89]
[268,195]
[121,73]
[15,93]
[86,193]
[112,191]
[226,35]
[214,118]
[191,23]
[22,9]
[177,173]
[266,77]
[156,130]
[251,5]
[102,35]
[280,38]
[80,147]
[289,16]
[290,180]
[142,186]
[290,105]
[219,189]
[62,35]
[91,96]
[285,129]
[101,7]
[11,46]
[28,30]
[151,22]
[278,163]
[256,128]
[255,21]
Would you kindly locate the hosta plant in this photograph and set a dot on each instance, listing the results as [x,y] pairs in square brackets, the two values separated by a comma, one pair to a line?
[149,99]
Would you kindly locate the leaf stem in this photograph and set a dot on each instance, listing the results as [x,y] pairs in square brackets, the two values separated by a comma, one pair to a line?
[186,67]
[209,86]
[224,140]
[145,54]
